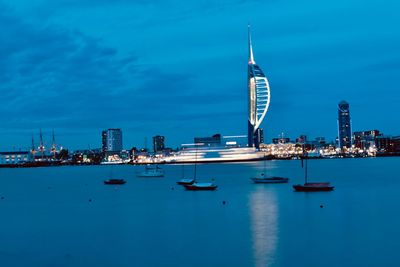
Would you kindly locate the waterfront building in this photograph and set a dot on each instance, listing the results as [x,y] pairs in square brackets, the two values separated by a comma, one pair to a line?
[281,140]
[365,139]
[344,125]
[214,140]
[111,140]
[258,98]
[15,157]
[396,144]
[384,144]
[320,140]
[158,143]
[301,139]
[317,144]
[86,156]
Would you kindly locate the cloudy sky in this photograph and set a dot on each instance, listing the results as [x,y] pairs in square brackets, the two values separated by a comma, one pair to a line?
[179,68]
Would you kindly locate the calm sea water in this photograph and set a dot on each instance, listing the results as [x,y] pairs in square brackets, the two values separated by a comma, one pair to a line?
[66,216]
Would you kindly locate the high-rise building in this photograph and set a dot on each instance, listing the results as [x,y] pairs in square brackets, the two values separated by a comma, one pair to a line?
[344,125]
[111,140]
[258,97]
[158,143]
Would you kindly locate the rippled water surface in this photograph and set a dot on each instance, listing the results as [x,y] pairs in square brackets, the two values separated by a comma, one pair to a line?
[66,216]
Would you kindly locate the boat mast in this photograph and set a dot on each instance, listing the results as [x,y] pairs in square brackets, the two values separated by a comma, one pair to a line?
[54,146]
[41,146]
[33,151]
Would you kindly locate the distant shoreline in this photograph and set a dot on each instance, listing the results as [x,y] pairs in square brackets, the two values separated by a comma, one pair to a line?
[201,161]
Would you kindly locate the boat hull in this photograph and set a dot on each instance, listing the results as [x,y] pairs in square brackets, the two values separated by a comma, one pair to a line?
[186,182]
[115,182]
[194,187]
[314,187]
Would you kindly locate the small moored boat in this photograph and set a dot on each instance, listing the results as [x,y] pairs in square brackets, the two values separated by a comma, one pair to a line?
[192,184]
[115,181]
[310,187]
[200,186]
[262,179]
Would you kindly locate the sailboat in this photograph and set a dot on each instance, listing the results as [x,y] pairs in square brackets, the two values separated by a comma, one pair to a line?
[113,181]
[268,180]
[311,187]
[196,186]
[151,172]
[184,181]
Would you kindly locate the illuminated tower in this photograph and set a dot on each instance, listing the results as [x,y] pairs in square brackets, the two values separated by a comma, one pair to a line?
[112,140]
[259,98]
[344,125]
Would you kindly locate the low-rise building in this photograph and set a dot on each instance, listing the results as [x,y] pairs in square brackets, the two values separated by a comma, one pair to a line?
[15,157]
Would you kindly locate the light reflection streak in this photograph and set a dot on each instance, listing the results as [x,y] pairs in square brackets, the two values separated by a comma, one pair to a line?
[264,226]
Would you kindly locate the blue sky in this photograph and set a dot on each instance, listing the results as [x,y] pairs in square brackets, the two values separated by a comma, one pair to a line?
[179,68]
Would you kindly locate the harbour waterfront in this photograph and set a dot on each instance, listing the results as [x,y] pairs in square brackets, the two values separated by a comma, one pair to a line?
[66,216]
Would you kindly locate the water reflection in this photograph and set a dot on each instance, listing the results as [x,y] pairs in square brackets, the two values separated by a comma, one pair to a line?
[268,166]
[264,225]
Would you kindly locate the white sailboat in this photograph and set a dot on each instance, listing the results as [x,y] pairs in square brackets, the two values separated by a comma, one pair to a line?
[193,185]
[184,180]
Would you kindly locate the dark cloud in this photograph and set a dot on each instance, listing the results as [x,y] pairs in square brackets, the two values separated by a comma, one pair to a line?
[63,79]
[55,78]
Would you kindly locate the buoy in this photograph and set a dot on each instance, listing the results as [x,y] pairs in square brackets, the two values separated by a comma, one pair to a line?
[223,202]
[90,200]
[172,188]
[2,197]
[321,206]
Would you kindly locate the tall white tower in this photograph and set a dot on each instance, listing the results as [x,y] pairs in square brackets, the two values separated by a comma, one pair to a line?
[259,97]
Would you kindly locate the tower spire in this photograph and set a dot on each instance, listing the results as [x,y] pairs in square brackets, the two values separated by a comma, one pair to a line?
[259,98]
[251,56]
